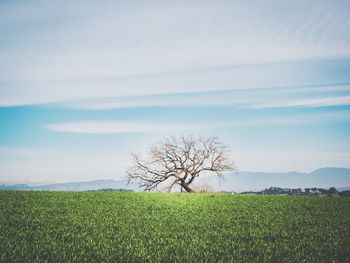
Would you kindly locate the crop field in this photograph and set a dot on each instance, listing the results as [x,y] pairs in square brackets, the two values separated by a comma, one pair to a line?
[162,227]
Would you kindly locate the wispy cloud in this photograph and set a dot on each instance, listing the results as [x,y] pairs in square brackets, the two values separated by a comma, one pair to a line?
[107,127]
[86,50]
[111,127]
[298,96]
[314,102]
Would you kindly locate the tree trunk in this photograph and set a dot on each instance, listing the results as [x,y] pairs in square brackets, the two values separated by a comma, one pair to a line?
[187,188]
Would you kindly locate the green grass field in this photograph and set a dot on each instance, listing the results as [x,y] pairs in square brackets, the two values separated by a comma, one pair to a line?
[160,227]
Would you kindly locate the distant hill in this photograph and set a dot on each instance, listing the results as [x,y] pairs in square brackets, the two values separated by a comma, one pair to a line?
[242,181]
[14,187]
[331,171]
[247,181]
[74,186]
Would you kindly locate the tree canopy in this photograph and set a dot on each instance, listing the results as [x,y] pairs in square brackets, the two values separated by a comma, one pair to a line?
[179,161]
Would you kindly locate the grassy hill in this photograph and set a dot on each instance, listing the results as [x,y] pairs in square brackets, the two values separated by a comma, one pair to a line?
[154,227]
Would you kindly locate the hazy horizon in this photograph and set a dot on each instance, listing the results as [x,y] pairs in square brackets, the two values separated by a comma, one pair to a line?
[83,84]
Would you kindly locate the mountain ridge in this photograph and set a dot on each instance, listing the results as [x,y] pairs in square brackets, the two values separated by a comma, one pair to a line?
[323,177]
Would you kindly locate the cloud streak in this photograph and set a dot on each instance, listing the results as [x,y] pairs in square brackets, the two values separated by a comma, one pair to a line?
[311,103]
[118,127]
[299,96]
[58,52]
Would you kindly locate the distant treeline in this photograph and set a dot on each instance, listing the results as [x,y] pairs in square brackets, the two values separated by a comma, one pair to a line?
[298,191]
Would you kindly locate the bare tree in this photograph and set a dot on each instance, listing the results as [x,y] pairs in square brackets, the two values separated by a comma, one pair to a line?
[179,161]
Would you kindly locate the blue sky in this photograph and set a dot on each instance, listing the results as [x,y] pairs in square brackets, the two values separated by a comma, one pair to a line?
[83,84]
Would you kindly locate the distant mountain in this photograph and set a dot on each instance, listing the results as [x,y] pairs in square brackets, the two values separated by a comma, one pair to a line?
[82,186]
[248,181]
[331,171]
[74,186]
[242,181]
[14,187]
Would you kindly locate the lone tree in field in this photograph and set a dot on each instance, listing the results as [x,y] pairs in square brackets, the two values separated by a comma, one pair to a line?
[179,161]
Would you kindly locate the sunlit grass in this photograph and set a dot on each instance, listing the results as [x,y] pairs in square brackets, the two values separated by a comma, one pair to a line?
[139,227]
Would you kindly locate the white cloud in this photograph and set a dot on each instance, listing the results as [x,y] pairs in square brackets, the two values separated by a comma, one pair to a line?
[114,127]
[313,96]
[106,127]
[314,102]
[57,52]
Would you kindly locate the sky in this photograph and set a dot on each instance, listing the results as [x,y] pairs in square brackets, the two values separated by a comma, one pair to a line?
[85,83]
